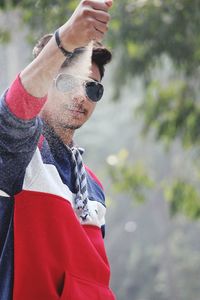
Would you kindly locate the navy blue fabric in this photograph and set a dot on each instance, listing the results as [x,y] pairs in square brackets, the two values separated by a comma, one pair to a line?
[6,248]
[103,230]
[54,152]
[94,191]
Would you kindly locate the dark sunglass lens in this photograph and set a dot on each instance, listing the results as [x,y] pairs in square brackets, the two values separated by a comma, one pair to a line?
[94,91]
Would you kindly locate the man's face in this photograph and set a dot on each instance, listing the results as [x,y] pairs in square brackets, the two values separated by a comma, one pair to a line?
[69,110]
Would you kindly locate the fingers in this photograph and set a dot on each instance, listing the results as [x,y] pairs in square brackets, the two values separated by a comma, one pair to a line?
[102,27]
[100,16]
[97,19]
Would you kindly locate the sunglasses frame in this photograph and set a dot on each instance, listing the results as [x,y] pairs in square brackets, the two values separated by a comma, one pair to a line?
[85,82]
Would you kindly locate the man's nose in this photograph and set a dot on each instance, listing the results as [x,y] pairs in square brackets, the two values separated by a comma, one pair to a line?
[79,98]
[79,95]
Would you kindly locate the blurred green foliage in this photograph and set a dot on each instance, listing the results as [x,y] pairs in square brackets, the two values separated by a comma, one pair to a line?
[184,198]
[173,112]
[42,16]
[147,29]
[129,178]
[4,36]
[148,32]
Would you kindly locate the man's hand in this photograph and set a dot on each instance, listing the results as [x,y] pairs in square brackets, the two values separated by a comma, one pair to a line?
[88,22]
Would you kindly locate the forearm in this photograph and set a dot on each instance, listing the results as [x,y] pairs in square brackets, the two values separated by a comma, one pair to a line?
[38,76]
[18,141]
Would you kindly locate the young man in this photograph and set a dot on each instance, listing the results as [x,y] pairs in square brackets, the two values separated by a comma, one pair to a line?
[51,206]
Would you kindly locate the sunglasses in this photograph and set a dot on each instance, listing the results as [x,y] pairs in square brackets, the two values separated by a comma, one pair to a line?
[67,83]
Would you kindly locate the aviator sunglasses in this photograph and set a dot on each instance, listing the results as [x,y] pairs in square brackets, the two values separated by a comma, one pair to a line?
[66,83]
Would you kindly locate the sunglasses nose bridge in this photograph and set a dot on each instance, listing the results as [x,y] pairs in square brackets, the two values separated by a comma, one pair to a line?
[78,92]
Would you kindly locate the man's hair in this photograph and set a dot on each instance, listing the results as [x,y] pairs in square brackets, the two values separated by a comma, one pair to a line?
[100,54]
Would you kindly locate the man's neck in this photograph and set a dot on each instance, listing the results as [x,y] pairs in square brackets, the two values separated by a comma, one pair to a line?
[66,135]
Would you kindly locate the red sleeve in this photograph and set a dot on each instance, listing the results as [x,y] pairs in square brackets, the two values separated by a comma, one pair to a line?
[21,103]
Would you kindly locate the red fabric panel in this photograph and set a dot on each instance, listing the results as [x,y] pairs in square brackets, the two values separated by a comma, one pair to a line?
[76,288]
[22,104]
[52,249]
[95,236]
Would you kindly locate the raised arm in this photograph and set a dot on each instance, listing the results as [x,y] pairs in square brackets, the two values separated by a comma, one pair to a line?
[88,22]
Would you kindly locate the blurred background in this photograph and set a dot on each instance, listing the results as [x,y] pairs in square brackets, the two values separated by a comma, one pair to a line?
[143,140]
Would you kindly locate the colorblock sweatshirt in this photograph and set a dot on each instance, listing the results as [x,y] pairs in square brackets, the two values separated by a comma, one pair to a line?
[46,252]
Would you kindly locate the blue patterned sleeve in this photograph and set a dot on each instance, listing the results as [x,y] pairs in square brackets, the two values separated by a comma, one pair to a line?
[18,141]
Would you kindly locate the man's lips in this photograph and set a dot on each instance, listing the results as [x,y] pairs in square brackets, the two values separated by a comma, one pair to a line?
[76,110]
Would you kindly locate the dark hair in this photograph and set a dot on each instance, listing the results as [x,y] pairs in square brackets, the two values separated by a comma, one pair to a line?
[100,54]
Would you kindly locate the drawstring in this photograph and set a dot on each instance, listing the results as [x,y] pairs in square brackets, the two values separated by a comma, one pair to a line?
[81,197]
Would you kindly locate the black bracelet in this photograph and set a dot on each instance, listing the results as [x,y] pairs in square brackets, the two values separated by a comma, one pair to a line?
[58,42]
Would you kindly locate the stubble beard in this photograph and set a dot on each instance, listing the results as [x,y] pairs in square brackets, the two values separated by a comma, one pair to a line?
[69,125]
